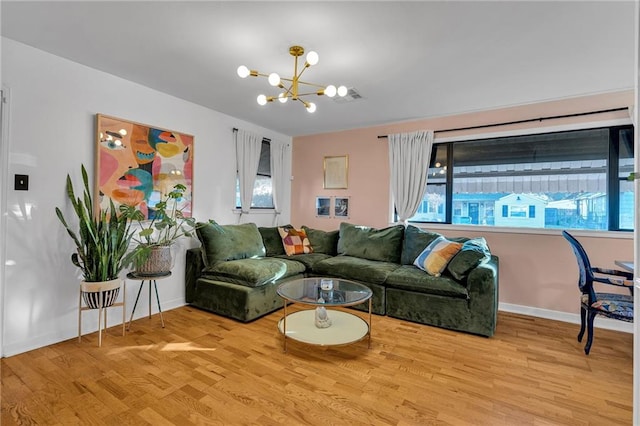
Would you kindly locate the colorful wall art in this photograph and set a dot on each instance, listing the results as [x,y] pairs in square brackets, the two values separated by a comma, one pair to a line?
[137,164]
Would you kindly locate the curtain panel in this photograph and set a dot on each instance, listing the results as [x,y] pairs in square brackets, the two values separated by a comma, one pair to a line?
[279,176]
[409,156]
[248,146]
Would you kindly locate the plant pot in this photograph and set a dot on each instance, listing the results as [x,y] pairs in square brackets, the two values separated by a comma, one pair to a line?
[105,292]
[159,262]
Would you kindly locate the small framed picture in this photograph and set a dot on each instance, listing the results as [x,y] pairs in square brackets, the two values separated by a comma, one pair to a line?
[341,207]
[323,206]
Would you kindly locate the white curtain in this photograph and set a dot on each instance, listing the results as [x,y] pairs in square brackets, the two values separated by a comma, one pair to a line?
[248,146]
[279,176]
[409,156]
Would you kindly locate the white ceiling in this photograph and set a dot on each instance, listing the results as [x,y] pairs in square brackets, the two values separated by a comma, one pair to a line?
[408,60]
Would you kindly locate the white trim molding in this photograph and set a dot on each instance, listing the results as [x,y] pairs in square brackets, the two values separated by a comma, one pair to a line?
[600,322]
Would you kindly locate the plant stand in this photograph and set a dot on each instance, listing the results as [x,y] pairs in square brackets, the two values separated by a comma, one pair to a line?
[149,279]
[100,296]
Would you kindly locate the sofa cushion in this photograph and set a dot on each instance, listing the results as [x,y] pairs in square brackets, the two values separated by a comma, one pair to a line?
[384,245]
[295,241]
[323,241]
[411,278]
[272,240]
[308,260]
[355,268]
[253,272]
[473,252]
[229,242]
[414,242]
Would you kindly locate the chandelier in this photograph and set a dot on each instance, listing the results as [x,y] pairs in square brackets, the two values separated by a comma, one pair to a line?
[292,88]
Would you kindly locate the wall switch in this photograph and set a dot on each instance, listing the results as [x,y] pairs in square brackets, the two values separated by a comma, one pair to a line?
[21,183]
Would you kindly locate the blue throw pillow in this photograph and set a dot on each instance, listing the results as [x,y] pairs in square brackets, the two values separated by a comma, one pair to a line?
[435,257]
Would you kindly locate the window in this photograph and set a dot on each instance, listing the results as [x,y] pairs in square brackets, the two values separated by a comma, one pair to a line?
[567,180]
[262,189]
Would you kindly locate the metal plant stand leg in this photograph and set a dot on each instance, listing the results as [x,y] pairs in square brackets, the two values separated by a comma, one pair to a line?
[151,281]
[134,305]
[155,285]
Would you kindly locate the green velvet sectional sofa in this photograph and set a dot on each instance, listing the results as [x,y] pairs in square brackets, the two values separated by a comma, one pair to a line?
[237,269]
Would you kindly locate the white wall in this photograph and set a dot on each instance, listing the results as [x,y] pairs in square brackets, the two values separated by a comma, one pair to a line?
[50,133]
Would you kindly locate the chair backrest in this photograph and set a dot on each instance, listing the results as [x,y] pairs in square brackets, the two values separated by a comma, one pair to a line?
[585,282]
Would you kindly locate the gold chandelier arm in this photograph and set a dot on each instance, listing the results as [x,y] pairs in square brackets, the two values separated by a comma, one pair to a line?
[288,91]
[254,73]
[259,74]
[319,93]
[311,84]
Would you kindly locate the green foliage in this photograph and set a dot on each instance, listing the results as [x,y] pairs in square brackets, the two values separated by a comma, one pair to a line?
[167,226]
[633,176]
[102,239]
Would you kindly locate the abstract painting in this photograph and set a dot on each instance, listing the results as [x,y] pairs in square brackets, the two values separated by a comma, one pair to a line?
[137,164]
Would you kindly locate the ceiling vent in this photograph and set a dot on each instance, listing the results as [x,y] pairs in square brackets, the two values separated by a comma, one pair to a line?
[352,95]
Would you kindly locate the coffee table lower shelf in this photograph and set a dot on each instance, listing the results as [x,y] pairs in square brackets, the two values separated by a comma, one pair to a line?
[345,328]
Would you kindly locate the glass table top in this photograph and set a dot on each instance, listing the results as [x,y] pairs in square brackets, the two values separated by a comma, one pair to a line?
[324,291]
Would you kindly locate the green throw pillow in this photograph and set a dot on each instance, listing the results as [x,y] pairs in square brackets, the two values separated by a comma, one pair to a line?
[272,240]
[473,252]
[229,242]
[323,241]
[384,245]
[415,241]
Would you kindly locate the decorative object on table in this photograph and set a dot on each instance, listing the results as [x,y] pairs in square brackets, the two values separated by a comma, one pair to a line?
[611,305]
[152,255]
[322,319]
[102,243]
[335,172]
[293,83]
[341,207]
[323,207]
[138,164]
[326,284]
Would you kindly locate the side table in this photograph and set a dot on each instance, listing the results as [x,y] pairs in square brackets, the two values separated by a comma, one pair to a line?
[149,279]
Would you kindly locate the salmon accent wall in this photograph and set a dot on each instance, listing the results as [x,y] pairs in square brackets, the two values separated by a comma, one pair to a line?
[537,270]
[367,178]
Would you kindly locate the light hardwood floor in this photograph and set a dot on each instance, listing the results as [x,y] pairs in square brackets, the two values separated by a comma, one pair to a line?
[206,369]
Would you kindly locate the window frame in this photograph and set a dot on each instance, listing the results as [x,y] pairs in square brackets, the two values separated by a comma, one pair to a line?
[612,169]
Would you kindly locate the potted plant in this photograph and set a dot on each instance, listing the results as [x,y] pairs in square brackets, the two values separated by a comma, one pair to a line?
[152,255]
[102,246]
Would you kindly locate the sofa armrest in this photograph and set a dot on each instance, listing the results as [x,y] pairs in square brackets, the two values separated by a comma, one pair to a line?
[193,269]
[482,284]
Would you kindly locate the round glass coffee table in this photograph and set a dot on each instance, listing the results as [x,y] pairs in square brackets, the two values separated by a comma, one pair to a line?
[318,292]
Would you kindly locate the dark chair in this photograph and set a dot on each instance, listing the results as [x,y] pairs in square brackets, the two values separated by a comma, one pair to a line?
[592,303]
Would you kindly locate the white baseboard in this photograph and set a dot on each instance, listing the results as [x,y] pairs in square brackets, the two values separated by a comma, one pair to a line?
[62,335]
[600,322]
